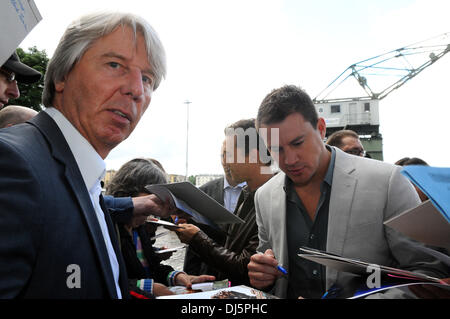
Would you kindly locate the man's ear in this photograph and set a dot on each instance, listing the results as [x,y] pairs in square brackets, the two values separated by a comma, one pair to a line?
[321,127]
[59,86]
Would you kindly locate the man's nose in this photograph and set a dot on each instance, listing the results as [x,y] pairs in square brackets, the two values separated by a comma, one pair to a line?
[134,85]
[12,90]
[290,157]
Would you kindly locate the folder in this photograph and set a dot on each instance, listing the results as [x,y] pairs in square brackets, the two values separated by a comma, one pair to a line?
[360,267]
[434,182]
[18,18]
[423,223]
[190,199]
[429,222]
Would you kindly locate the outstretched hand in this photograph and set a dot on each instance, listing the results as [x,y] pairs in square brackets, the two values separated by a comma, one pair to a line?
[186,280]
[149,205]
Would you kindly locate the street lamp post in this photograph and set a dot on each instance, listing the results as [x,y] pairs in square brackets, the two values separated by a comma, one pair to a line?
[187,102]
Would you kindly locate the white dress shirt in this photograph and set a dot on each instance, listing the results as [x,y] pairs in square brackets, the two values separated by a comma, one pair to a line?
[92,168]
[231,194]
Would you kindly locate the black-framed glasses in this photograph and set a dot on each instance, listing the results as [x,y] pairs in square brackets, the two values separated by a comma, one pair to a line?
[10,76]
[356,151]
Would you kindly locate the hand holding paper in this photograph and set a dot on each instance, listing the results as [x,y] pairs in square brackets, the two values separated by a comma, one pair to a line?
[186,280]
[186,232]
[143,206]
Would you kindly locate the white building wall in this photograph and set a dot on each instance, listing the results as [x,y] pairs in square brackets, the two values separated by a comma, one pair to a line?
[342,113]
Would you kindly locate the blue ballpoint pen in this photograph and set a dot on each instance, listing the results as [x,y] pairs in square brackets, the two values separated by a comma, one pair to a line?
[284,271]
[279,267]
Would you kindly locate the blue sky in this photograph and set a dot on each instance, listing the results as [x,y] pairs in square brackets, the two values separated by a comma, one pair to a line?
[225,56]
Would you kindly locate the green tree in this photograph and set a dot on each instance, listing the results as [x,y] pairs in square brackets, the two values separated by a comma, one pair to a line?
[192,179]
[31,94]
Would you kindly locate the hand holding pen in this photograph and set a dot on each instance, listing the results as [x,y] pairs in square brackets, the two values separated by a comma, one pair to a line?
[264,269]
[279,267]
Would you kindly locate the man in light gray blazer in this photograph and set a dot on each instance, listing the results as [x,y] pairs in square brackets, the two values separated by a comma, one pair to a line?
[328,200]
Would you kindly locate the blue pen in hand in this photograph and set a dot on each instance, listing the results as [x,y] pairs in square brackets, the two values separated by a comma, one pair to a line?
[284,271]
[279,267]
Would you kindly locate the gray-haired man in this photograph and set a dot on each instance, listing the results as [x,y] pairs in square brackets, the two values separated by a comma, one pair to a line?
[55,240]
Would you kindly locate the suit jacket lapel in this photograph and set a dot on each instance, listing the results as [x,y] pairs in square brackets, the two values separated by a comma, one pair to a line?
[341,200]
[220,191]
[61,152]
[276,227]
[278,203]
[123,277]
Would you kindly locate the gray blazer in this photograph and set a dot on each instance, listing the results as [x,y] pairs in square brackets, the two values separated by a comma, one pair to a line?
[364,194]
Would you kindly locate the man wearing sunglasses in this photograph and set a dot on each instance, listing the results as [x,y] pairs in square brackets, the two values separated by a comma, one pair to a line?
[348,141]
[11,72]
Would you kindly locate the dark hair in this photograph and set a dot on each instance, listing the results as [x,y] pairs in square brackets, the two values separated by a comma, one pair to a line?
[244,125]
[247,129]
[411,161]
[157,163]
[133,176]
[247,136]
[336,138]
[282,102]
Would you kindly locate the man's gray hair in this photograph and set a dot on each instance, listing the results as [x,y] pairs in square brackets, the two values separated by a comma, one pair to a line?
[82,33]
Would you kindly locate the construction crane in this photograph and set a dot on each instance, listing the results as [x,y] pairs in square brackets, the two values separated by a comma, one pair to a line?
[345,105]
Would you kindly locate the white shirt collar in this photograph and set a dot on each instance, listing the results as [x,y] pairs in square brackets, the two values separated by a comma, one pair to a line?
[227,185]
[91,165]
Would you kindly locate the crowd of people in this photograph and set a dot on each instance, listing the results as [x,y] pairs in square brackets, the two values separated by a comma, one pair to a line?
[60,237]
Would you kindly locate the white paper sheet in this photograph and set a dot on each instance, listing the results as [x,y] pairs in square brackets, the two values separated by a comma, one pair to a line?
[17,19]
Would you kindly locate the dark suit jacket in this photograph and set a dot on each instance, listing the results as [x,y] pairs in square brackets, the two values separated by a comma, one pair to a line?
[214,189]
[47,221]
